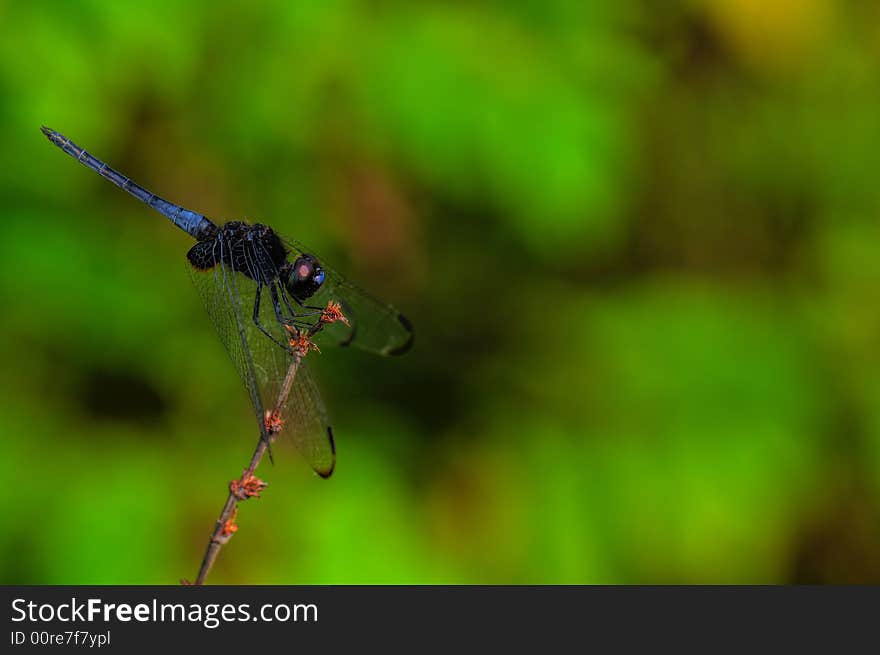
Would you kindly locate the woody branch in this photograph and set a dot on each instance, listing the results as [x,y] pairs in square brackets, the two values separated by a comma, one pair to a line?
[248,485]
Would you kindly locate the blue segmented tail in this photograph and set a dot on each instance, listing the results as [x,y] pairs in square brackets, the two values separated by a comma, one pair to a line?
[193,223]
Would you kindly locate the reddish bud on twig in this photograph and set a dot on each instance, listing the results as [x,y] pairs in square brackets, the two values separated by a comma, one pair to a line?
[332,313]
[249,486]
[302,344]
[274,422]
[229,527]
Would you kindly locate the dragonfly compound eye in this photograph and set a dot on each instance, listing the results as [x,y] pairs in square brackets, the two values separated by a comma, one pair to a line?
[305,277]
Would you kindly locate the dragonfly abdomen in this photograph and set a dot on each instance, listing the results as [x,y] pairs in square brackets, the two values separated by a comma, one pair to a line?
[193,223]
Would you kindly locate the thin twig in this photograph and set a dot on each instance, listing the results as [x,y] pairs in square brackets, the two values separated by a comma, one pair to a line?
[225,526]
[245,487]
[248,485]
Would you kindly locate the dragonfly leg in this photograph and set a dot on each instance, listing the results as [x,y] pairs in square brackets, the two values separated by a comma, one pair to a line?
[259,325]
[315,310]
[286,300]
[304,306]
[276,304]
[296,319]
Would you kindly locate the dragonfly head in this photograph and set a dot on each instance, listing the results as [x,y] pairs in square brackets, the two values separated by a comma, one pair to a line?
[303,278]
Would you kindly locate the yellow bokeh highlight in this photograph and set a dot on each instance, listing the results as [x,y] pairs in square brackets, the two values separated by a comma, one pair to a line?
[773,35]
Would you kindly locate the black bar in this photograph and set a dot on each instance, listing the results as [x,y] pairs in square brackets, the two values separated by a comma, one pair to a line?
[459,619]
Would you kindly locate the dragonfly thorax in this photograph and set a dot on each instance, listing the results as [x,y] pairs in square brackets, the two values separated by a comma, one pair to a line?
[253,250]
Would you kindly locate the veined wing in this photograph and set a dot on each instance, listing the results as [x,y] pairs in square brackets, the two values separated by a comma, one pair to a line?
[281,389]
[375,326]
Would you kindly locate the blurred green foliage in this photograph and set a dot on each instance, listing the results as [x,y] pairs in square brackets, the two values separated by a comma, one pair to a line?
[639,244]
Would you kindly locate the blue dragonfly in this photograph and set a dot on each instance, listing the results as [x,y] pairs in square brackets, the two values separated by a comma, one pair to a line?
[272,301]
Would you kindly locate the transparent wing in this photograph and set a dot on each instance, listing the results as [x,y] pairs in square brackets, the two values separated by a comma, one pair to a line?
[375,326]
[284,396]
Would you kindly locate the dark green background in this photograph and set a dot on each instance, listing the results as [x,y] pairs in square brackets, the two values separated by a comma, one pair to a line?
[639,243]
